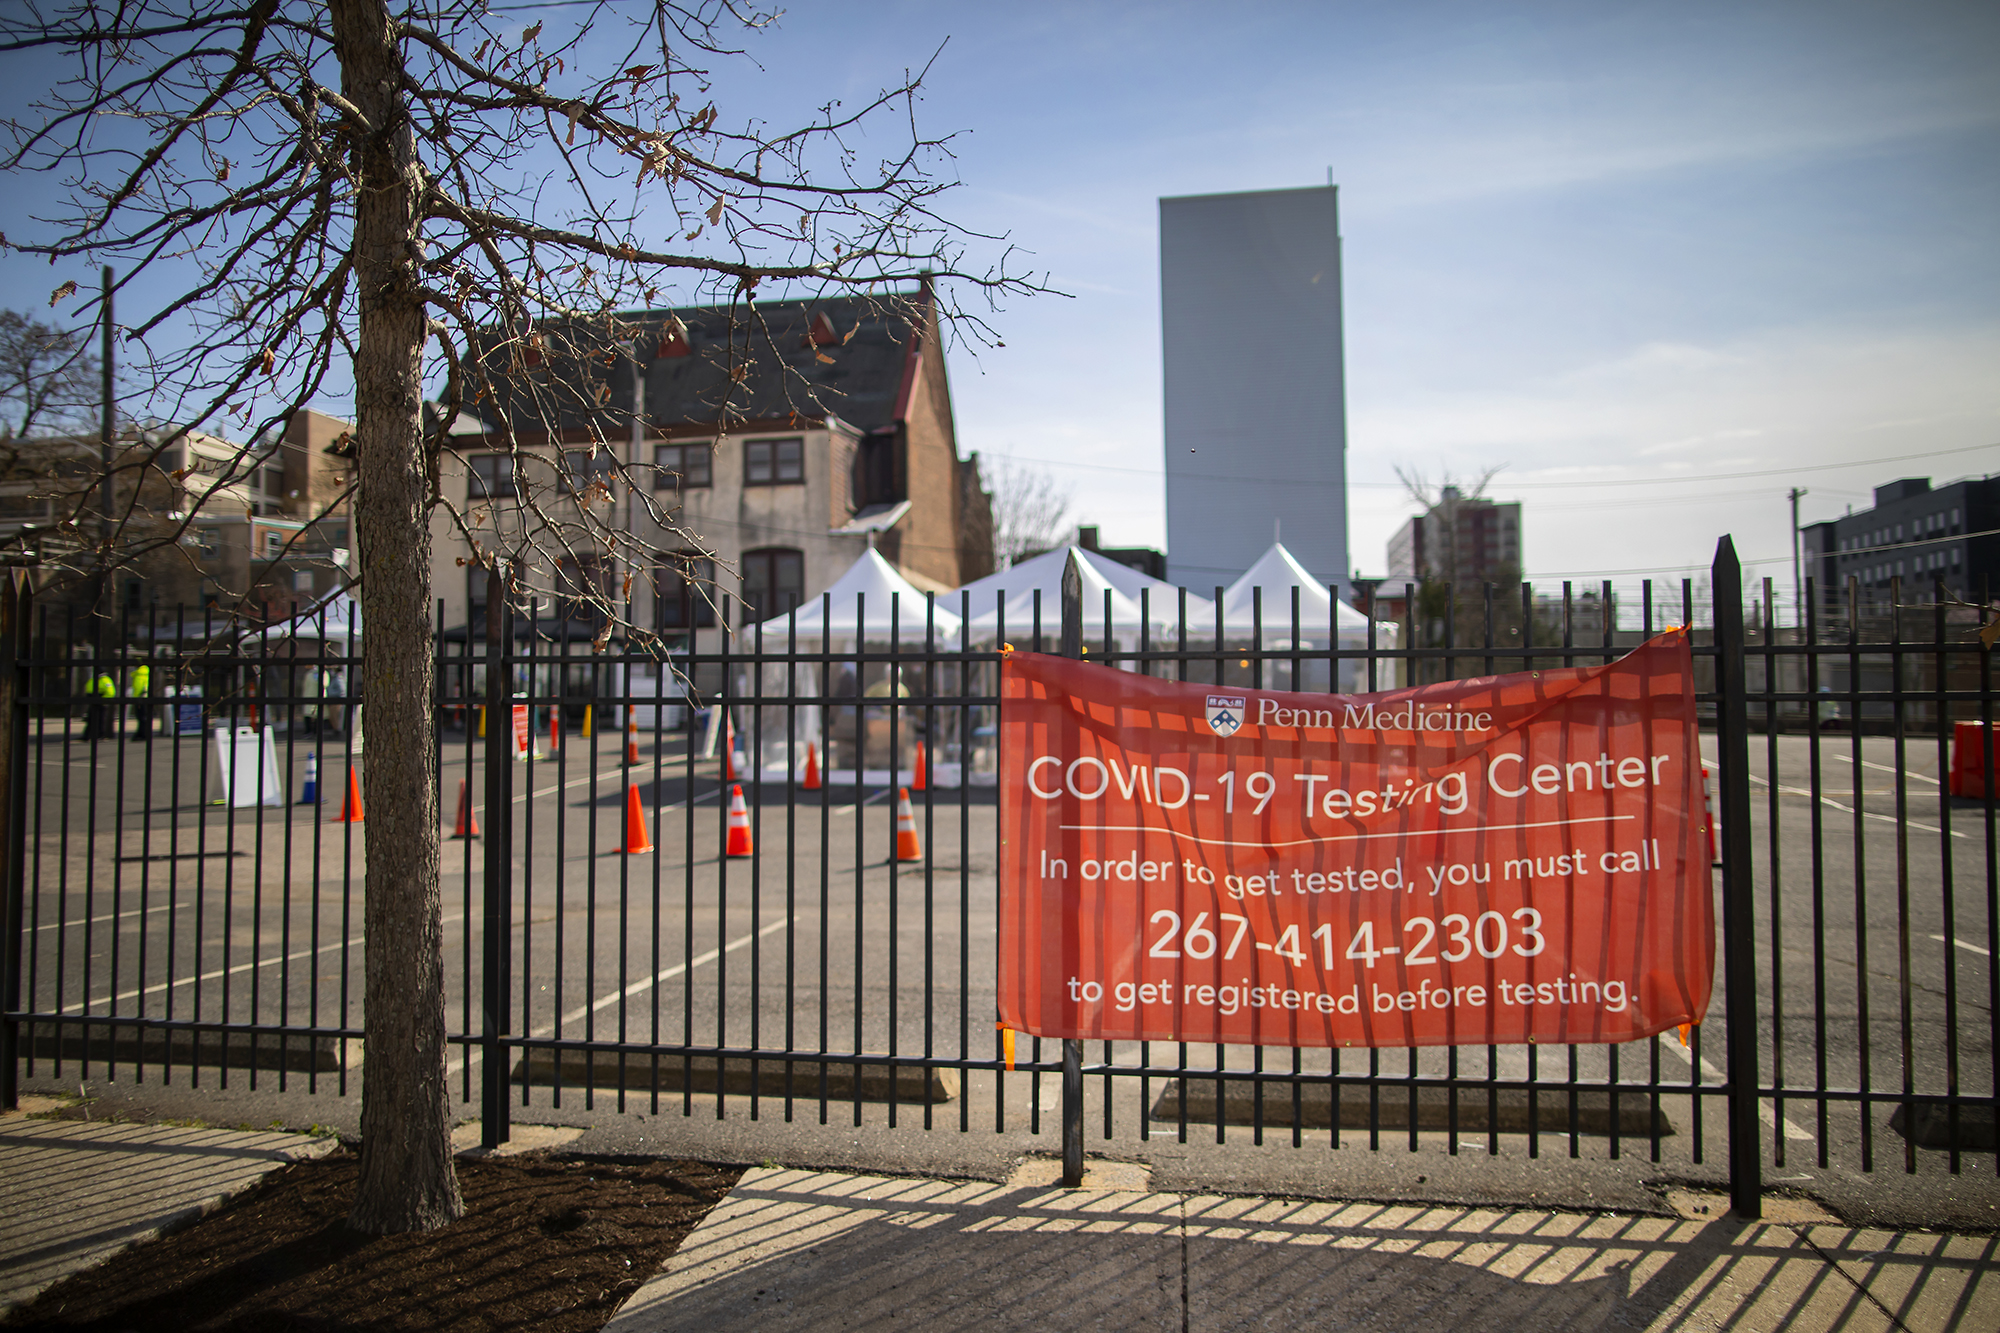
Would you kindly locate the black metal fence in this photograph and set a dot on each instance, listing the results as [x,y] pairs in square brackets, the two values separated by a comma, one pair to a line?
[179,908]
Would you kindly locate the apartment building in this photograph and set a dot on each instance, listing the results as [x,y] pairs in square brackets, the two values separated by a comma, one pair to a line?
[707,466]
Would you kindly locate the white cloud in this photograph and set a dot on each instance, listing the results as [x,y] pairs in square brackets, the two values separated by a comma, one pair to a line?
[1786,399]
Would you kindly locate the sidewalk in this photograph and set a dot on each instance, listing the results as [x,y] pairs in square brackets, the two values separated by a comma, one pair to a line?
[806,1250]
[73,1194]
[817,1250]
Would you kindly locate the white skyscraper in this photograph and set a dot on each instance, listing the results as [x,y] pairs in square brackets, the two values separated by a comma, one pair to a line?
[1256,395]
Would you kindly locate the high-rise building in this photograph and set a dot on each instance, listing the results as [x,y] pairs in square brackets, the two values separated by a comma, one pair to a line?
[1461,539]
[1256,399]
[1921,535]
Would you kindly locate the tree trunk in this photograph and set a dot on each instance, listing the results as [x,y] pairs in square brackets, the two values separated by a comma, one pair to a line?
[407,1182]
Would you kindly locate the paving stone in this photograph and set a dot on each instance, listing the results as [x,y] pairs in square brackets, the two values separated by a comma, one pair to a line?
[74,1193]
[1930,1282]
[1274,1264]
[800,1250]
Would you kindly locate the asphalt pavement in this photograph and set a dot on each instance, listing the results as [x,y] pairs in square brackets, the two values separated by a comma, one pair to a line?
[822,943]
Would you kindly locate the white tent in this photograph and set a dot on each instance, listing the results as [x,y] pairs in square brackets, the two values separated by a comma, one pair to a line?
[310,648]
[873,581]
[1016,586]
[851,739]
[329,622]
[1277,572]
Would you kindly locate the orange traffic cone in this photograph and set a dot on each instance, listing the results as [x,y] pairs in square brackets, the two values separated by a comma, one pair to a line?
[907,846]
[468,822]
[631,741]
[1708,814]
[555,730]
[922,777]
[350,811]
[729,773]
[637,839]
[812,768]
[738,843]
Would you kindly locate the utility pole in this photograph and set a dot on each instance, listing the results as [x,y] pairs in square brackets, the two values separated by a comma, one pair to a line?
[1798,580]
[106,605]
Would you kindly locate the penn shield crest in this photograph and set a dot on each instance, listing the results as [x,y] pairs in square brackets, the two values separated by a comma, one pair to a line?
[1225,713]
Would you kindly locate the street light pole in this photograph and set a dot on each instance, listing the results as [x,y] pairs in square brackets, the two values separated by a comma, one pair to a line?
[1798,580]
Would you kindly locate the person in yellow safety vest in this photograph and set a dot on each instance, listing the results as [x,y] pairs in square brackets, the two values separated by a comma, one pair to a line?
[142,682]
[101,690]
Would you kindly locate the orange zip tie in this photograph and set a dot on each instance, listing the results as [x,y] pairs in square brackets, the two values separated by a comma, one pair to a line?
[1006,1043]
[1682,1032]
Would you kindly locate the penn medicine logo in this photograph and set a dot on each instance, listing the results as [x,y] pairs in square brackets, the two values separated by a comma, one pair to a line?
[1225,713]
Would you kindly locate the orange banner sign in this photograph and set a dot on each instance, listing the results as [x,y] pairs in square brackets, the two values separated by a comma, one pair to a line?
[1506,859]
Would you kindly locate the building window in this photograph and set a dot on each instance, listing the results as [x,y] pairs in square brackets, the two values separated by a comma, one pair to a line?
[680,467]
[492,477]
[683,592]
[774,582]
[582,467]
[774,462]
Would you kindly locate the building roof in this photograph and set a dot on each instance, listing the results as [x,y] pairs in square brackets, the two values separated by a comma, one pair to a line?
[847,357]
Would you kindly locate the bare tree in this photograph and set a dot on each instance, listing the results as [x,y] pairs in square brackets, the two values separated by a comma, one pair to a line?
[1444,563]
[48,377]
[437,205]
[1030,510]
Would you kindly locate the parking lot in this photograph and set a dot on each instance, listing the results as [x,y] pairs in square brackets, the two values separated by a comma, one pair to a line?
[151,901]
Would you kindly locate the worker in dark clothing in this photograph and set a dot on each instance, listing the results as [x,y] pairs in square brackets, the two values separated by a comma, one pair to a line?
[101,691]
[142,683]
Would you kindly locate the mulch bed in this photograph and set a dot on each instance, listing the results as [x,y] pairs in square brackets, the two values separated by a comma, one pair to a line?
[546,1243]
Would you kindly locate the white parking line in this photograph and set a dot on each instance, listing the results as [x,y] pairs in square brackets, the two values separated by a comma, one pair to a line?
[638,987]
[108,916]
[1832,804]
[1870,763]
[1764,1108]
[292,957]
[1965,944]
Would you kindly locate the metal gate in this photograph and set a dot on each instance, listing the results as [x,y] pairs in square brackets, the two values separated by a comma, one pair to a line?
[175,911]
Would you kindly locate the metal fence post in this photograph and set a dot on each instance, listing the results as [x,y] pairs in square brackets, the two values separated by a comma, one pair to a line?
[1072,1050]
[16,599]
[498,926]
[1739,925]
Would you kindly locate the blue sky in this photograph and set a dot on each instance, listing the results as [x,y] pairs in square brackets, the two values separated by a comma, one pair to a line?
[1593,243]
[1656,243]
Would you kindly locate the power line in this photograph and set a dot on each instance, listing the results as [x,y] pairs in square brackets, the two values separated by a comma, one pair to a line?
[1519,485]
